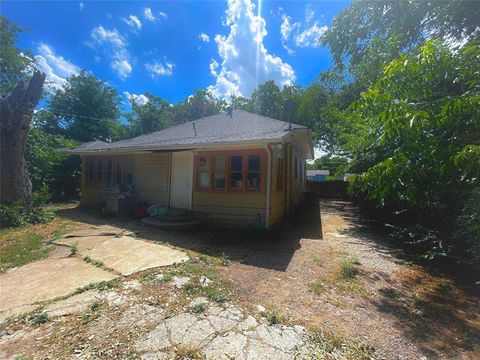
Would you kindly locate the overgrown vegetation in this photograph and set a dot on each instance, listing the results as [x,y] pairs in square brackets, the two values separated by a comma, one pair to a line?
[329,345]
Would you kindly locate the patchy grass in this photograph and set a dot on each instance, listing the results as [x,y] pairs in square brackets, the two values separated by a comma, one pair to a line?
[331,346]
[92,313]
[184,352]
[348,267]
[317,287]
[199,308]
[102,285]
[22,249]
[74,249]
[40,319]
[94,262]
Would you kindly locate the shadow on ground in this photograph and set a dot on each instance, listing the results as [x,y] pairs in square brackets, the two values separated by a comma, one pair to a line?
[272,249]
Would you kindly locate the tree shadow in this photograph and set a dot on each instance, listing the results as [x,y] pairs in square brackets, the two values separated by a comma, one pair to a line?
[435,311]
[270,249]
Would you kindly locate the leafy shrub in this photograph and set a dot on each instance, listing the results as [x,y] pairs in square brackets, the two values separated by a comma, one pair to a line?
[15,215]
[348,269]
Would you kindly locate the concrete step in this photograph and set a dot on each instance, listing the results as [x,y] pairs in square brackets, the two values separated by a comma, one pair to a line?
[161,224]
[178,212]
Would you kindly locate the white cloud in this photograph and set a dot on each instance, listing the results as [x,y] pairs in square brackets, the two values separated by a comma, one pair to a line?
[204,37]
[114,45]
[286,29]
[311,36]
[309,13]
[148,15]
[158,69]
[245,62]
[163,15]
[55,67]
[133,22]
[139,99]
[81,6]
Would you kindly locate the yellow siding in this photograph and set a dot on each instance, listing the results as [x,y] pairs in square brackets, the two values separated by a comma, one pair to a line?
[151,174]
[242,209]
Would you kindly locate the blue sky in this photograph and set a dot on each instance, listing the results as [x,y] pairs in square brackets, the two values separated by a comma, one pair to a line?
[172,48]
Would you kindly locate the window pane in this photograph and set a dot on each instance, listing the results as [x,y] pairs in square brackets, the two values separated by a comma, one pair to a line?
[99,171]
[129,171]
[236,169]
[236,180]
[219,175]
[109,172]
[236,163]
[118,172]
[254,180]
[204,173]
[254,163]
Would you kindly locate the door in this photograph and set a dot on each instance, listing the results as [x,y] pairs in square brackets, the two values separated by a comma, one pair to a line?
[181,181]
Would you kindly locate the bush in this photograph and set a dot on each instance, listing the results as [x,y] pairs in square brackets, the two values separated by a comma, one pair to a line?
[15,215]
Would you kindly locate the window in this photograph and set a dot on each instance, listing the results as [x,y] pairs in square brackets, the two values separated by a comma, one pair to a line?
[109,169]
[90,171]
[236,172]
[203,173]
[254,173]
[219,172]
[99,171]
[129,171]
[118,172]
[279,175]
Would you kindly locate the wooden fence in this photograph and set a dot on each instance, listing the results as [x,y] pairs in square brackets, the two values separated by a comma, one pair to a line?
[336,189]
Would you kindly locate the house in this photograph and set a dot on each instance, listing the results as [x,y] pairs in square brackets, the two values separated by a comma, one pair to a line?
[317,175]
[235,168]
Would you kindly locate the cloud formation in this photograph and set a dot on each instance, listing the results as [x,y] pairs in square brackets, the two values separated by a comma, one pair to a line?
[114,45]
[311,36]
[302,35]
[134,22]
[163,15]
[245,62]
[139,99]
[157,69]
[54,66]
[204,37]
[148,15]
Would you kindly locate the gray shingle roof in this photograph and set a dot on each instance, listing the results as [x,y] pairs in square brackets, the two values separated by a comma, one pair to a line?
[220,128]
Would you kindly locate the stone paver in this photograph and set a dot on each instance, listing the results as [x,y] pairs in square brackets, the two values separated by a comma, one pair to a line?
[222,332]
[74,304]
[44,280]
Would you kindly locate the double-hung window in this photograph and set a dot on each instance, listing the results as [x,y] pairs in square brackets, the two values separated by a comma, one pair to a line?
[254,172]
[219,173]
[203,173]
[236,172]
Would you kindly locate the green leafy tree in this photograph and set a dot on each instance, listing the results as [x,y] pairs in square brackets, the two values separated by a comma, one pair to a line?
[86,109]
[196,106]
[156,114]
[267,100]
[51,169]
[14,63]
[415,135]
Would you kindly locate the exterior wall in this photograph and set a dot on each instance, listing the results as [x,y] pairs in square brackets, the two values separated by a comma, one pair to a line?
[240,208]
[278,187]
[151,174]
[296,177]
[232,209]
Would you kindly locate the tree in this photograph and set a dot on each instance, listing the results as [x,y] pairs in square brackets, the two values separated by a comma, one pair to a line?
[196,106]
[16,112]
[14,63]
[86,109]
[266,99]
[156,114]
[369,34]
[415,135]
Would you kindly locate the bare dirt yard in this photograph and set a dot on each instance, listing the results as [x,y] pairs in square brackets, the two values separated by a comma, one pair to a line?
[324,285]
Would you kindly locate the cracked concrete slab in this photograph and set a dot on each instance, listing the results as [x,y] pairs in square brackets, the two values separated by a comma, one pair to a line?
[43,280]
[128,255]
[74,304]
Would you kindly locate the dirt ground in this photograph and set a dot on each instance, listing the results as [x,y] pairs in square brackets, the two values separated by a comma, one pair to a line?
[295,271]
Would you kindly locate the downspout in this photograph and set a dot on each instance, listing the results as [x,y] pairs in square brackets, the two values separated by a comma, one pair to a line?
[269,179]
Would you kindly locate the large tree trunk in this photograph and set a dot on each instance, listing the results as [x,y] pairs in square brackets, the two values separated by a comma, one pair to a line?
[16,113]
